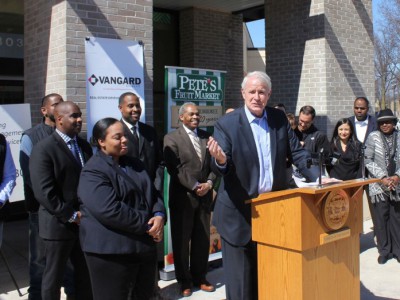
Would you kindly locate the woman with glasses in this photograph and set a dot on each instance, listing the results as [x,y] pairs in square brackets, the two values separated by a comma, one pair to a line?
[382,159]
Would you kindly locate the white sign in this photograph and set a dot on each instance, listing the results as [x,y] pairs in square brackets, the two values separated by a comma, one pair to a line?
[113,67]
[14,120]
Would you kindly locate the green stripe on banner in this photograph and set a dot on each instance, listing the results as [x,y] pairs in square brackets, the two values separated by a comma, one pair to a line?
[166,203]
[210,73]
[179,71]
[195,72]
[166,73]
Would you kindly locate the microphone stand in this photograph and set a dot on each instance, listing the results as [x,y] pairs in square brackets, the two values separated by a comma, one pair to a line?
[320,164]
[363,161]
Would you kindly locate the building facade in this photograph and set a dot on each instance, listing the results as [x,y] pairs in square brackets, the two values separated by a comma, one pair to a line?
[318,52]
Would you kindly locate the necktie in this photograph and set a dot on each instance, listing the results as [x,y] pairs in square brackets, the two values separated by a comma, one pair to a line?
[76,152]
[196,143]
[135,142]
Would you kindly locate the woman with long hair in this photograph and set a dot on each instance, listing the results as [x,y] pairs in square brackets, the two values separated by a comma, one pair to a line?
[345,145]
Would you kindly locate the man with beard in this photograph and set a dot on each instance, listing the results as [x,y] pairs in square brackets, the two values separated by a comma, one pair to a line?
[55,165]
[309,136]
[363,123]
[36,247]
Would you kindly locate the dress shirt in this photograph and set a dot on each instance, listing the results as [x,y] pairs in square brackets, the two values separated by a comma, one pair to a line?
[361,129]
[67,140]
[260,130]
[9,175]
[26,145]
[190,134]
[129,125]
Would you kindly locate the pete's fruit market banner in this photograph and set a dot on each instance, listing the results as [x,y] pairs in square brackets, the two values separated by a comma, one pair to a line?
[205,88]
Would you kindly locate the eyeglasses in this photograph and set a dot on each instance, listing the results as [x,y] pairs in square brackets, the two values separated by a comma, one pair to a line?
[359,108]
[385,122]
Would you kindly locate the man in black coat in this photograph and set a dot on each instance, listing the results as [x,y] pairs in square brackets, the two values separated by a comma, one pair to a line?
[310,137]
[55,166]
[363,124]
[142,138]
[249,150]
[36,246]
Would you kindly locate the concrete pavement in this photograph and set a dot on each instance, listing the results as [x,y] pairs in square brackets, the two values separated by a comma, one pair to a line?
[378,282]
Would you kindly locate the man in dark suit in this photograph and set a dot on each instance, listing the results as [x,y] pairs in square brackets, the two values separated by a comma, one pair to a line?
[55,166]
[142,138]
[190,199]
[364,124]
[29,139]
[249,150]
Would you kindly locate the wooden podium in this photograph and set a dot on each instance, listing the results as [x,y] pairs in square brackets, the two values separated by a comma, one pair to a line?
[308,242]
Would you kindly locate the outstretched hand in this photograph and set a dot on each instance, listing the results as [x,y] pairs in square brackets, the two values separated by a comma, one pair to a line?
[216,151]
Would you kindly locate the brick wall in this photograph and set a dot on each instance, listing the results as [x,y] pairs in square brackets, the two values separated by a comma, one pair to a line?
[55,58]
[214,40]
[320,53]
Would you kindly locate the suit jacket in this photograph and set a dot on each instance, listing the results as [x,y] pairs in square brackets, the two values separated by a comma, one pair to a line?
[185,167]
[55,175]
[149,152]
[372,126]
[232,216]
[116,205]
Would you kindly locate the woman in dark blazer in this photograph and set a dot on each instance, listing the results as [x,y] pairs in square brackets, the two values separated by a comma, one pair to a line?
[346,144]
[122,218]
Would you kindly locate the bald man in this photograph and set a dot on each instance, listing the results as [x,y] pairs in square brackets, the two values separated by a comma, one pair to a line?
[55,165]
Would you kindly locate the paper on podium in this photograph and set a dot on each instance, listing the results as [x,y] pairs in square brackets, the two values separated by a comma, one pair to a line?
[300,183]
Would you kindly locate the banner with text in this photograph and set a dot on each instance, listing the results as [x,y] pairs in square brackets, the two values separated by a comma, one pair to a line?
[205,88]
[113,67]
[15,119]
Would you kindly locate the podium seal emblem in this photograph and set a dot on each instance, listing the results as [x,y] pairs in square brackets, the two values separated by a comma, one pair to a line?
[335,209]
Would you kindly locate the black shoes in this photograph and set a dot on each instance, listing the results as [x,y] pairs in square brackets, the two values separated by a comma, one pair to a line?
[382,259]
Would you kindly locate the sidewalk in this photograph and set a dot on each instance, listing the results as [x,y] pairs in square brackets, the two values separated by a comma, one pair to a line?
[378,282]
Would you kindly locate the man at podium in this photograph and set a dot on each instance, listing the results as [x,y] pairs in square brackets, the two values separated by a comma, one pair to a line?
[249,150]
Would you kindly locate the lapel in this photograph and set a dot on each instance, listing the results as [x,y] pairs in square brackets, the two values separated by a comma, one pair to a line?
[272,136]
[128,175]
[188,143]
[203,144]
[370,127]
[85,155]
[64,148]
[141,136]
[129,136]
[246,132]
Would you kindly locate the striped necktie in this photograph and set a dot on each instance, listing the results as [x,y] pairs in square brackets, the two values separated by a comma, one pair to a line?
[76,152]
[196,143]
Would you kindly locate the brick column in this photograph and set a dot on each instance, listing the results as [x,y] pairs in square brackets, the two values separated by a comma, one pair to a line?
[320,53]
[55,50]
[214,40]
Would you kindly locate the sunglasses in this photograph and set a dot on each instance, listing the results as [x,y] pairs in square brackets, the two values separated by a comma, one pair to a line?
[385,122]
